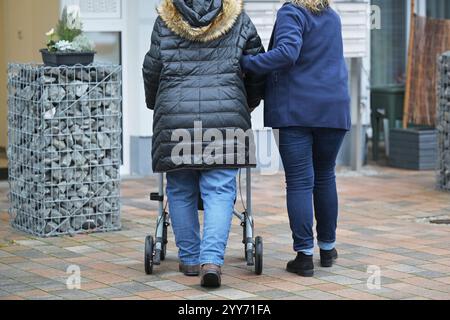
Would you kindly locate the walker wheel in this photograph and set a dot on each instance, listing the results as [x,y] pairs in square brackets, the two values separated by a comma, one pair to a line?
[148,257]
[258,255]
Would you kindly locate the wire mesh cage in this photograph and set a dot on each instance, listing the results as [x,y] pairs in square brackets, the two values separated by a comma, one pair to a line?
[64,149]
[443,122]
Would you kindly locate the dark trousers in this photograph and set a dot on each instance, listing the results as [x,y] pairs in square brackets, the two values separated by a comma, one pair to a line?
[309,159]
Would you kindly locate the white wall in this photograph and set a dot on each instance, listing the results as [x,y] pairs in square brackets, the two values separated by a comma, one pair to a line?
[142,15]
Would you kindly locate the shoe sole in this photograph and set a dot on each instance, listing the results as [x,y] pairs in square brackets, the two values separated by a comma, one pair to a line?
[190,274]
[211,280]
[327,263]
[302,273]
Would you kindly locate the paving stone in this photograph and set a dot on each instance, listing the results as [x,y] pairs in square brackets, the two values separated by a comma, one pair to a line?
[81,249]
[405,268]
[5,281]
[16,287]
[422,256]
[274,294]
[413,262]
[431,274]
[420,292]
[30,243]
[31,254]
[203,297]
[132,287]
[51,285]
[74,294]
[154,294]
[353,294]
[4,254]
[167,285]
[4,293]
[341,280]
[318,295]
[15,273]
[232,294]
[32,280]
[47,297]
[110,292]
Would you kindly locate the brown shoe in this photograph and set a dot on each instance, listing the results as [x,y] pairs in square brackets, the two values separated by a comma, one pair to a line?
[190,271]
[211,276]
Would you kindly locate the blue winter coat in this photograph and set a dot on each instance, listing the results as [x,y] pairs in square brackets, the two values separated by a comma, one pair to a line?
[307,82]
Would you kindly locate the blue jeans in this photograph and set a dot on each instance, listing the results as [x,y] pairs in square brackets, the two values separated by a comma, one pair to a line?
[217,189]
[309,159]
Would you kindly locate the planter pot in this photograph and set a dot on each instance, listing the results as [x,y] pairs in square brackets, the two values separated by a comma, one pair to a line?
[56,59]
[414,149]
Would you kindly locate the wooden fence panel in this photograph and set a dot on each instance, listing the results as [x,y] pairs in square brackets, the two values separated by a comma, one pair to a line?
[431,39]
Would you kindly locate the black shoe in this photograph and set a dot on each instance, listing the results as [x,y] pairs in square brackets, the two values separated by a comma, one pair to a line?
[328,257]
[302,265]
[211,276]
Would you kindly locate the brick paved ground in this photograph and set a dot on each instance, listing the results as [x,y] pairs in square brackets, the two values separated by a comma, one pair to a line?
[380,225]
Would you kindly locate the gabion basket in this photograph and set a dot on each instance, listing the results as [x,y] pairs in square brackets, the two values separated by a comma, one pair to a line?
[443,122]
[64,148]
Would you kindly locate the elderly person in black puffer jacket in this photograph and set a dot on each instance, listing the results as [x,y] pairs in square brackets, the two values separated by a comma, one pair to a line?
[202,125]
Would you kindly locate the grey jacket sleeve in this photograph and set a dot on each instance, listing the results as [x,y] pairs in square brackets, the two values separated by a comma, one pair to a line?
[152,68]
[254,83]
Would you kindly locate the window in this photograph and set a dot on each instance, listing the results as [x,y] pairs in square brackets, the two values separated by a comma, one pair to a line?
[438,9]
[388,47]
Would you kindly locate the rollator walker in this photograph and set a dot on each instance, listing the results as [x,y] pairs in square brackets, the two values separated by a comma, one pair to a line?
[156,247]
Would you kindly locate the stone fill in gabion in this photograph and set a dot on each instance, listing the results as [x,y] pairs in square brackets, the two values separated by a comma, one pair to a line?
[443,122]
[64,148]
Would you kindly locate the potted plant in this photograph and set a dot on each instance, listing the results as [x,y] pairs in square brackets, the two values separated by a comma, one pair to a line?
[67,44]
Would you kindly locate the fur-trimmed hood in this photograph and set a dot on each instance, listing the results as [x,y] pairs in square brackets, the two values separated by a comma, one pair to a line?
[315,6]
[218,26]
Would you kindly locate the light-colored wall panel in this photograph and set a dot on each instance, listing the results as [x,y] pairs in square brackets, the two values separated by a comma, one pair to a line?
[3,109]
[23,27]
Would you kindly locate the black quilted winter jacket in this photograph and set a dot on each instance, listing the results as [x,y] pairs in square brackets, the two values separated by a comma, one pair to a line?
[195,85]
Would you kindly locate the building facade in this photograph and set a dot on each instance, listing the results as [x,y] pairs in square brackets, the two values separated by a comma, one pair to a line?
[121,30]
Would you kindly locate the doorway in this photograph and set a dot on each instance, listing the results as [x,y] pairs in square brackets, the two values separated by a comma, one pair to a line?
[23,24]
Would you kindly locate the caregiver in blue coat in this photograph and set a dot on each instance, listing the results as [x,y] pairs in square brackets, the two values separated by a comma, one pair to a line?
[307,99]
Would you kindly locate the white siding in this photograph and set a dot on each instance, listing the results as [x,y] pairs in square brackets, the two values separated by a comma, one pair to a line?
[354,15]
[263,15]
[355,27]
